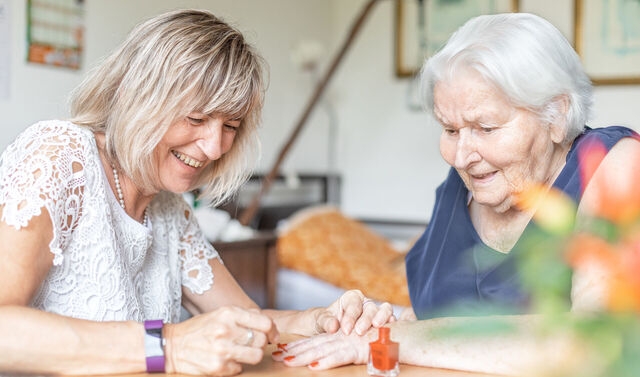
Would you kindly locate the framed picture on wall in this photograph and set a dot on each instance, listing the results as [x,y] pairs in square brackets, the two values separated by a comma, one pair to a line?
[424,26]
[607,38]
[55,32]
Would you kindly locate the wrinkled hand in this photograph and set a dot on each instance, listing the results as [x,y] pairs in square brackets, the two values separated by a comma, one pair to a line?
[216,343]
[353,311]
[327,351]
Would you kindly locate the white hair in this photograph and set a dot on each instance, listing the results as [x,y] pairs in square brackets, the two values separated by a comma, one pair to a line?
[526,58]
[169,66]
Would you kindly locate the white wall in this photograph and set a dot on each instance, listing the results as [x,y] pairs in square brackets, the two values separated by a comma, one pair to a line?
[274,26]
[35,93]
[614,105]
[387,154]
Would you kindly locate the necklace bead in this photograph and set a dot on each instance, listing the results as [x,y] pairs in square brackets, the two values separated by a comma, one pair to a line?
[116,180]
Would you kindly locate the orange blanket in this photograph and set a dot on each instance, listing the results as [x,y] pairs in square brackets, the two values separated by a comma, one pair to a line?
[325,244]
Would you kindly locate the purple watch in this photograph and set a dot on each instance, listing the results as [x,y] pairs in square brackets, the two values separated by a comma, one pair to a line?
[154,346]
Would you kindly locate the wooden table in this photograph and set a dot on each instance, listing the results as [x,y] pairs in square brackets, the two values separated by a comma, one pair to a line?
[268,367]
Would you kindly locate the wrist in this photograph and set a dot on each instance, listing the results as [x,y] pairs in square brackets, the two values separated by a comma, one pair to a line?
[154,344]
[303,322]
[168,334]
[363,345]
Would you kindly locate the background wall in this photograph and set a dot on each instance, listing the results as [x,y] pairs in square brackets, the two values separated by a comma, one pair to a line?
[389,154]
[386,153]
[273,26]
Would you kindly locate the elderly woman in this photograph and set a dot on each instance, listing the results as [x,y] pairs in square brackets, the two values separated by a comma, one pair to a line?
[99,250]
[512,99]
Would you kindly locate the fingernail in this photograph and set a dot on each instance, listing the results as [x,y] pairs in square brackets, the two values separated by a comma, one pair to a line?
[314,364]
[282,346]
[289,358]
[277,353]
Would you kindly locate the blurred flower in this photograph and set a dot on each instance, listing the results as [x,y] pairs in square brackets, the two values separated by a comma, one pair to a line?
[621,263]
[624,293]
[585,248]
[604,238]
[590,156]
[619,202]
[554,210]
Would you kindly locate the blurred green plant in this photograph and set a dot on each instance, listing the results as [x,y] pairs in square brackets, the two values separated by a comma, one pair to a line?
[562,239]
[605,236]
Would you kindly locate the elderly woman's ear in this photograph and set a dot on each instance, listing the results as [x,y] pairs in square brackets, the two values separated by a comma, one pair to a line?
[558,108]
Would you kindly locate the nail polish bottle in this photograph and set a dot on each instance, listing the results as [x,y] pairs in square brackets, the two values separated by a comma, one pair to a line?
[383,355]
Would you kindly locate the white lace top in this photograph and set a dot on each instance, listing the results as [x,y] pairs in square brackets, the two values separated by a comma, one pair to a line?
[107,266]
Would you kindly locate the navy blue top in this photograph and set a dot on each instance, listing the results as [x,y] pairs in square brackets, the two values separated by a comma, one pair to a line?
[450,271]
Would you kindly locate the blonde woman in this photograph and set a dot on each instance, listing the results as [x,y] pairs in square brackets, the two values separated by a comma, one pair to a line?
[99,250]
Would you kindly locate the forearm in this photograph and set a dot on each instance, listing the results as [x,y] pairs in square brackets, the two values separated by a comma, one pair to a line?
[511,353]
[34,341]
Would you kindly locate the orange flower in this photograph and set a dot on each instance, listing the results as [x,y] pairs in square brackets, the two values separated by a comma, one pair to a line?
[617,197]
[584,248]
[625,290]
[624,296]
[590,156]
[621,263]
[554,210]
[624,293]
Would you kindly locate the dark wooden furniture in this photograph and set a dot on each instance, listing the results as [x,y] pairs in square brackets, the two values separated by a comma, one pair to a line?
[282,200]
[254,264]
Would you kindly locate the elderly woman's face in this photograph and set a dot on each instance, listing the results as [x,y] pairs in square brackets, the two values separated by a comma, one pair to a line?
[189,146]
[496,148]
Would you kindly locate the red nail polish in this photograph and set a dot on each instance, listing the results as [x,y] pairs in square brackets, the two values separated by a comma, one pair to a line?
[383,355]
[277,353]
[282,346]
[289,358]
[314,364]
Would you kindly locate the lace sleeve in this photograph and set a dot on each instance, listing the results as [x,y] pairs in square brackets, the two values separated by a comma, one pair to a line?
[195,253]
[44,167]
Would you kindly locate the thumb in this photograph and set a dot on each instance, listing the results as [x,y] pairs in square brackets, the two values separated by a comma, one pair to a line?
[326,322]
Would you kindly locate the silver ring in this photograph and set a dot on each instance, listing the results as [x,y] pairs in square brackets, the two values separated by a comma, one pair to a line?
[367,301]
[249,338]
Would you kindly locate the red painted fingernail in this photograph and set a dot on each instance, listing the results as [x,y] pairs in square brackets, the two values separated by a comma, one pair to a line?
[289,358]
[277,353]
[282,346]
[314,364]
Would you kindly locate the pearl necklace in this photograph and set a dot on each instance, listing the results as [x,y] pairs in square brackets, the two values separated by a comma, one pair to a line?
[145,220]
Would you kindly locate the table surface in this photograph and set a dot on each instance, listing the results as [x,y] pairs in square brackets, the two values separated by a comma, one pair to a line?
[268,367]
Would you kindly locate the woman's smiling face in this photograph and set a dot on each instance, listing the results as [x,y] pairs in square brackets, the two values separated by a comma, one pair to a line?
[189,146]
[496,148]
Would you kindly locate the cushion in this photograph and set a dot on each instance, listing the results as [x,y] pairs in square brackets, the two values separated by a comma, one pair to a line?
[324,243]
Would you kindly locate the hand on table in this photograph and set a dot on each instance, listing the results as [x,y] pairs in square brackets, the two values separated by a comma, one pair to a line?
[327,351]
[216,343]
[353,311]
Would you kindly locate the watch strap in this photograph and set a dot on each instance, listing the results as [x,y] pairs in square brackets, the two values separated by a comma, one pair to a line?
[154,346]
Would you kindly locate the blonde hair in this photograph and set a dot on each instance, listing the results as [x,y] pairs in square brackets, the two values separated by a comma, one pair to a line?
[169,66]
